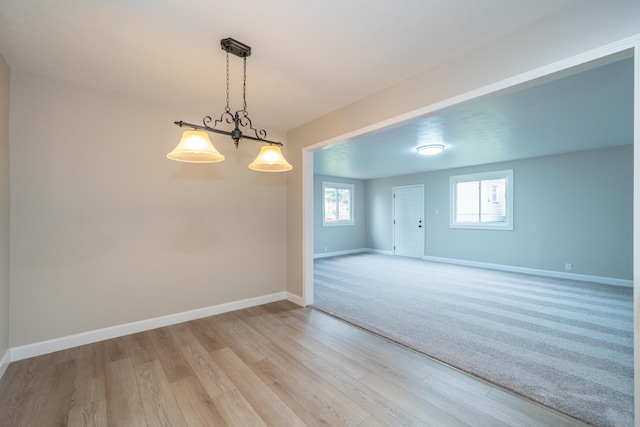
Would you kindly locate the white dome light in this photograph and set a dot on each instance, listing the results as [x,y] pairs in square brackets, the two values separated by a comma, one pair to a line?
[430,149]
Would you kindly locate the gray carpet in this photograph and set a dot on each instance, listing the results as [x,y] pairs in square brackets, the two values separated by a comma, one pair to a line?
[563,343]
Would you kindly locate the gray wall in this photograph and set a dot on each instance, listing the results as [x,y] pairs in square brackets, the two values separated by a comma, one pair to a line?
[339,238]
[4,207]
[575,208]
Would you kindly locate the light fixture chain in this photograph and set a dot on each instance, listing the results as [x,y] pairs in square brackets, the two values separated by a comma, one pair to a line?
[244,85]
[195,145]
[227,109]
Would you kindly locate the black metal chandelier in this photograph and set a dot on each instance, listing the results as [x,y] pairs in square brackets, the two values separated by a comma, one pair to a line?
[195,145]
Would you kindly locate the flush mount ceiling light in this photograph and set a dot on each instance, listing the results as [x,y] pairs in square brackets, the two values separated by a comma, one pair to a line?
[195,145]
[430,149]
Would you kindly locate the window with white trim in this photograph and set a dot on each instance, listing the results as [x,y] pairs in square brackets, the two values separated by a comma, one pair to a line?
[482,200]
[337,206]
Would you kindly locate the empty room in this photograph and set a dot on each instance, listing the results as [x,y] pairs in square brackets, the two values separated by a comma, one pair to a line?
[457,254]
[162,186]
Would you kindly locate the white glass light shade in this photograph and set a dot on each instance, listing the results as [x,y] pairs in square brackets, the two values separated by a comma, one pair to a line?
[195,147]
[270,159]
[430,150]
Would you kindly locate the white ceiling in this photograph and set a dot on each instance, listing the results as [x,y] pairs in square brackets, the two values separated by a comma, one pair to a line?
[309,57]
[588,107]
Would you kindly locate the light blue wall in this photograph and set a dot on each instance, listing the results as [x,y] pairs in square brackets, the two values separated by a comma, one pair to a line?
[575,208]
[339,238]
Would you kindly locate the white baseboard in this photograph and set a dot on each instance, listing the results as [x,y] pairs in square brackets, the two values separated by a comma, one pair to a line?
[339,253]
[4,362]
[379,251]
[63,343]
[295,299]
[352,251]
[524,270]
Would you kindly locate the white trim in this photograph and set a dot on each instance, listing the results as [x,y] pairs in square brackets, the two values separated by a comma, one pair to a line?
[338,186]
[295,299]
[4,362]
[636,230]
[379,251]
[307,226]
[525,270]
[338,253]
[352,251]
[63,343]
[454,180]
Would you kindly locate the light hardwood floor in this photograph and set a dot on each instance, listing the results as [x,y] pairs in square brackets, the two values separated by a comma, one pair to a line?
[276,365]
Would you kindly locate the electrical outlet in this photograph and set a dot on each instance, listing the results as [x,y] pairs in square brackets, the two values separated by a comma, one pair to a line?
[325,248]
[568,266]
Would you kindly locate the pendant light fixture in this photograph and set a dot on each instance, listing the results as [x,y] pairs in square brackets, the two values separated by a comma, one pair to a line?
[195,145]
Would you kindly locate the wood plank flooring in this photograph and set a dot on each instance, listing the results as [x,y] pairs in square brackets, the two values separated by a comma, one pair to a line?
[272,365]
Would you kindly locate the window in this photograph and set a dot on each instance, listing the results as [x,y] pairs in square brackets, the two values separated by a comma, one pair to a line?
[337,208]
[483,200]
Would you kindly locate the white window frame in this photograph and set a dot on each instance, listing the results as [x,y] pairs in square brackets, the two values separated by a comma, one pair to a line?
[339,185]
[504,225]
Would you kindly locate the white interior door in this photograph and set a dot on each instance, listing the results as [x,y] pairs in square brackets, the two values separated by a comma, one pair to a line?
[408,221]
